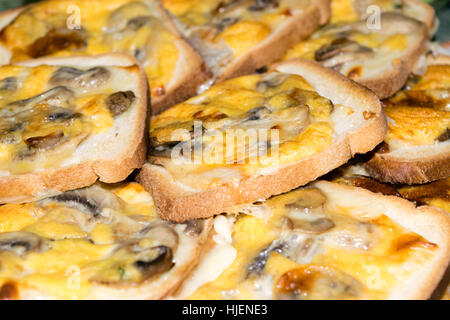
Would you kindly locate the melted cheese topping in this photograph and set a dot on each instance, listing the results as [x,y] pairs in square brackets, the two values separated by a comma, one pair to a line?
[420,115]
[240,25]
[44,118]
[307,250]
[352,49]
[49,28]
[77,253]
[235,121]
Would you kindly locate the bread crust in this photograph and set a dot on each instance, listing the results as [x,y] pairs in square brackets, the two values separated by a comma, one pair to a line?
[37,185]
[422,168]
[430,222]
[276,45]
[388,168]
[428,17]
[175,202]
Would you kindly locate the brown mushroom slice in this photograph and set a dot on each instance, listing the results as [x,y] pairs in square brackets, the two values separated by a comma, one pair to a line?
[341,51]
[120,102]
[90,202]
[154,261]
[8,84]
[299,247]
[73,77]
[120,18]
[45,142]
[309,198]
[317,282]
[259,262]
[310,226]
[56,40]
[21,243]
[194,227]
[161,234]
[260,5]
[56,97]
[270,81]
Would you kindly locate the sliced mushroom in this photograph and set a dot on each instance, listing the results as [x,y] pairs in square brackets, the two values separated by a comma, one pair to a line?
[300,248]
[45,142]
[194,227]
[120,102]
[269,81]
[56,40]
[317,282]
[257,113]
[341,51]
[154,261]
[310,198]
[161,233]
[259,5]
[57,97]
[259,262]
[91,201]
[73,77]
[21,243]
[130,14]
[310,226]
[9,84]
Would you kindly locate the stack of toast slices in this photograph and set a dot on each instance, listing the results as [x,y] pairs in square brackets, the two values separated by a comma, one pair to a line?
[211,149]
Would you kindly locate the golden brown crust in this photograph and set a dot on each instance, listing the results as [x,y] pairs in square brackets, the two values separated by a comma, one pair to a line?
[174,202]
[388,168]
[276,45]
[431,223]
[37,185]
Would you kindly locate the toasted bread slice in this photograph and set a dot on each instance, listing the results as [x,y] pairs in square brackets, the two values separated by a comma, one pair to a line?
[417,147]
[351,10]
[379,58]
[67,122]
[330,241]
[140,28]
[100,242]
[239,37]
[311,118]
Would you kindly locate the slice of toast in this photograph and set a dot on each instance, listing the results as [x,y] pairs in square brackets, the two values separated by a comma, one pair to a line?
[140,28]
[67,122]
[100,242]
[417,147]
[328,241]
[321,118]
[348,10]
[379,57]
[239,37]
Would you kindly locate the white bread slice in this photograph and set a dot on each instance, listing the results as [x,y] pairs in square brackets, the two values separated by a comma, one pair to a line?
[413,164]
[221,61]
[358,132]
[383,69]
[416,9]
[189,71]
[431,223]
[109,156]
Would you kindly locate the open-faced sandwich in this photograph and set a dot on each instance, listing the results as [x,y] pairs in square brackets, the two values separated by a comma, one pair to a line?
[417,146]
[64,123]
[100,242]
[328,241]
[140,28]
[254,136]
[237,37]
